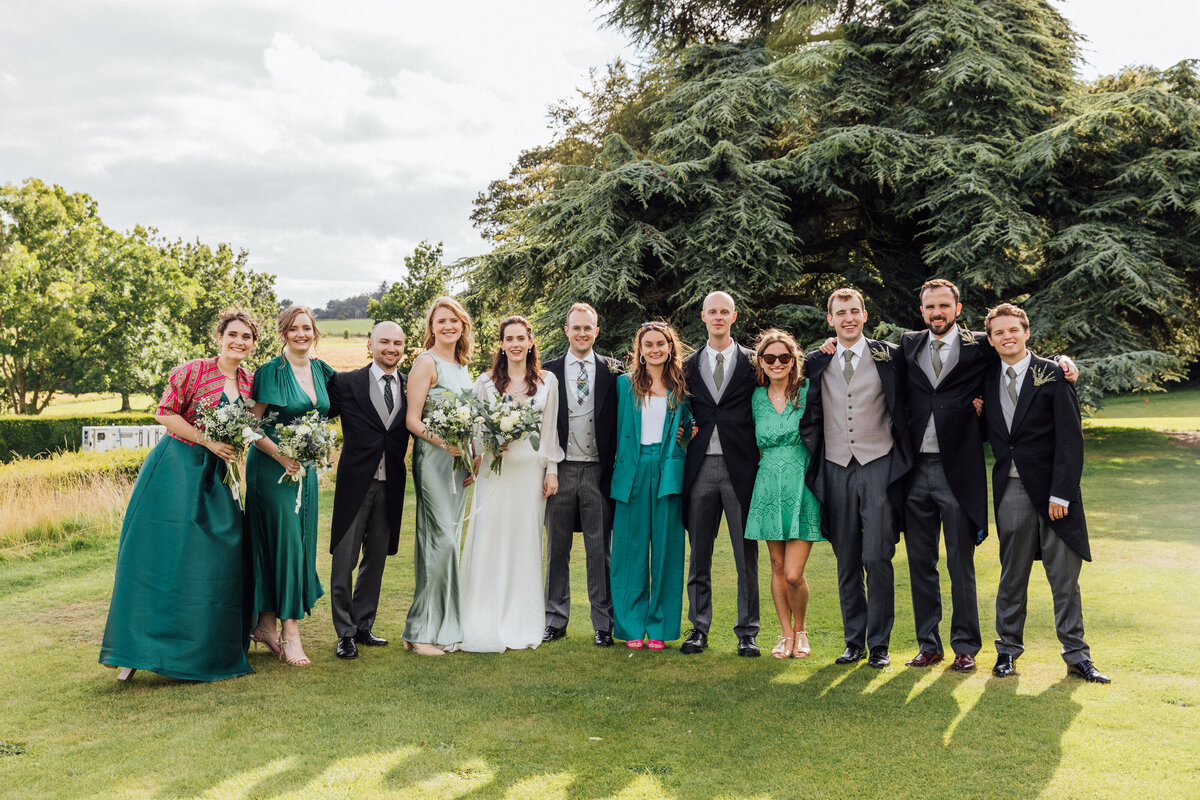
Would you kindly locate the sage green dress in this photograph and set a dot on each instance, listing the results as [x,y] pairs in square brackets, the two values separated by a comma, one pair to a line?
[180,596]
[435,616]
[284,543]
[782,506]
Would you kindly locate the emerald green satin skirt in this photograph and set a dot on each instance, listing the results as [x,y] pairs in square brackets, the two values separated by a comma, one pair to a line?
[181,597]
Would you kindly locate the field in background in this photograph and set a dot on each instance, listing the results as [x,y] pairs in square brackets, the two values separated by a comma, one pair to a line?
[332,328]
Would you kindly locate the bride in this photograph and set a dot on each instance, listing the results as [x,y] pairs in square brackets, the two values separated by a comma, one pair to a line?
[501,572]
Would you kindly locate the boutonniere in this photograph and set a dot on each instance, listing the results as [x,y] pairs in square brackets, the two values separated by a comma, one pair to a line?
[1042,375]
[967,338]
[615,367]
[880,353]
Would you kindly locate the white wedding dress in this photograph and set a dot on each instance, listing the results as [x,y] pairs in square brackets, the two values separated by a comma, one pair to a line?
[500,576]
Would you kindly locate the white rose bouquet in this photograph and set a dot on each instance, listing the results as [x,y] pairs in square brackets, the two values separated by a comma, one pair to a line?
[452,416]
[231,424]
[503,421]
[311,440]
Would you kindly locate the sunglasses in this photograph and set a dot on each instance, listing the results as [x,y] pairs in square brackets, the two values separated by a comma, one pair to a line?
[658,326]
[771,358]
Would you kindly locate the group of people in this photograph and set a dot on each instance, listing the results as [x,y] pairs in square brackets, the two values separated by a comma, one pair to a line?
[853,444]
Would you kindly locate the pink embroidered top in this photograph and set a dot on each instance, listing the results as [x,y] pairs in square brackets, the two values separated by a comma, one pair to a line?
[198,383]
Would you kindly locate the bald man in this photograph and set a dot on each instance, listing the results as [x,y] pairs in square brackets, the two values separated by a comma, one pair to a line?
[369,494]
[718,477]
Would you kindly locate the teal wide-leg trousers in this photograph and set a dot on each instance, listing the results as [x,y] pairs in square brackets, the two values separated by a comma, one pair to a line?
[647,557]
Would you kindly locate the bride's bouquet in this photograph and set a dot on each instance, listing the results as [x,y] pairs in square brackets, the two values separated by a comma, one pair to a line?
[232,424]
[311,440]
[452,416]
[503,421]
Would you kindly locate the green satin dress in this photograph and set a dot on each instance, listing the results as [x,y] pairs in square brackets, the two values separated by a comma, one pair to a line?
[284,543]
[180,601]
[435,616]
[782,506]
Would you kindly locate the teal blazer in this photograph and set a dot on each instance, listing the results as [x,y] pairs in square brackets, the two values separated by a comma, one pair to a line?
[629,443]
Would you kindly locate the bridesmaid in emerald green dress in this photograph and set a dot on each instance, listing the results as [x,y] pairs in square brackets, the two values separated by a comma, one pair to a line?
[434,623]
[783,510]
[284,542]
[180,601]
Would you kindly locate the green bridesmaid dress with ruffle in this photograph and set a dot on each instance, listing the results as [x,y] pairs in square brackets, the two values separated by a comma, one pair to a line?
[284,543]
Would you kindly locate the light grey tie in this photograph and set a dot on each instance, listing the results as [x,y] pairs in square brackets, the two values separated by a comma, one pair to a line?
[1012,385]
[719,372]
[848,370]
[937,357]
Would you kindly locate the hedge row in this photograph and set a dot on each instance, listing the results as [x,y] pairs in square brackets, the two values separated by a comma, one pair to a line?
[38,436]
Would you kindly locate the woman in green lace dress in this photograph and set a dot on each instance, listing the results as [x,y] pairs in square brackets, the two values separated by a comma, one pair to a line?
[783,510]
[284,542]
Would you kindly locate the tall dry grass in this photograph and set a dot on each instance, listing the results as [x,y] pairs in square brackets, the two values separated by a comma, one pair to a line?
[62,498]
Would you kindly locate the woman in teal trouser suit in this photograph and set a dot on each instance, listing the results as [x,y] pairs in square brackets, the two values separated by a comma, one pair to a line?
[647,485]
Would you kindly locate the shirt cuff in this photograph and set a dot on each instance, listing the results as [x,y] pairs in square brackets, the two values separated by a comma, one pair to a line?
[1060,501]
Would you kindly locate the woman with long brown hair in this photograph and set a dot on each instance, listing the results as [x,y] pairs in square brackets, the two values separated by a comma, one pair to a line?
[284,541]
[647,485]
[434,622]
[503,604]
[783,510]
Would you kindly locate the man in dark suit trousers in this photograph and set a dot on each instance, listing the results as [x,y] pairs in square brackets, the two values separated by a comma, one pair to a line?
[587,427]
[1033,425]
[946,365]
[369,496]
[722,460]
[853,426]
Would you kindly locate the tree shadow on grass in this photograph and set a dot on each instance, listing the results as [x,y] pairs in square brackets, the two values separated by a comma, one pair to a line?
[683,727]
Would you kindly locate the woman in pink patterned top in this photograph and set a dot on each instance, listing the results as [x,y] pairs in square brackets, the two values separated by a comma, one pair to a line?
[181,598]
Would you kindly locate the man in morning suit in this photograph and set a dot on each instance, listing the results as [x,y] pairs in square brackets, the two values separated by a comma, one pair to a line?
[587,385]
[369,496]
[1033,425]
[853,426]
[722,460]
[946,365]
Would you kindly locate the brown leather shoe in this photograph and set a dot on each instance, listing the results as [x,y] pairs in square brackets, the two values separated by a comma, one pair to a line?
[963,662]
[924,659]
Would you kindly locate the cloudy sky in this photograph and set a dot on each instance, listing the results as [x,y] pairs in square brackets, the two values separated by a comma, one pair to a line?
[328,139]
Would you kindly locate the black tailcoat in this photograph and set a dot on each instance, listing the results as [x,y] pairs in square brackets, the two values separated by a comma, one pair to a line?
[365,441]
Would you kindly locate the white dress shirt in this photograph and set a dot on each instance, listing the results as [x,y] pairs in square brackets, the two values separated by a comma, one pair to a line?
[858,348]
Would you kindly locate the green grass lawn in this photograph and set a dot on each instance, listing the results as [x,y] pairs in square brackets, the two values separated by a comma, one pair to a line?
[71,405]
[569,720]
[1176,410]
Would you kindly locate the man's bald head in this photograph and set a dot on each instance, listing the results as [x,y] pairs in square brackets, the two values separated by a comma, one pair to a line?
[718,298]
[387,329]
[386,345]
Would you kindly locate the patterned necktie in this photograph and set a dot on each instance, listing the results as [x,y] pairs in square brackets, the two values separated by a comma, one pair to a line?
[1012,385]
[719,372]
[937,357]
[581,383]
[848,370]
[388,400]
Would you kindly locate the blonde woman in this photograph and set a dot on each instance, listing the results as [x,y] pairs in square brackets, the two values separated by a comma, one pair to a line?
[434,622]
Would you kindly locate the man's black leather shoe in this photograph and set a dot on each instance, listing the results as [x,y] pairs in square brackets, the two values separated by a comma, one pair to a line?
[879,657]
[603,639]
[369,639]
[850,655]
[553,633]
[694,642]
[747,647]
[346,648]
[1087,670]
[1004,667]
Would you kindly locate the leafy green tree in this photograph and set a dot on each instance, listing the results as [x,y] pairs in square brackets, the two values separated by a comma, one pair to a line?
[80,304]
[405,302]
[224,281]
[799,146]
